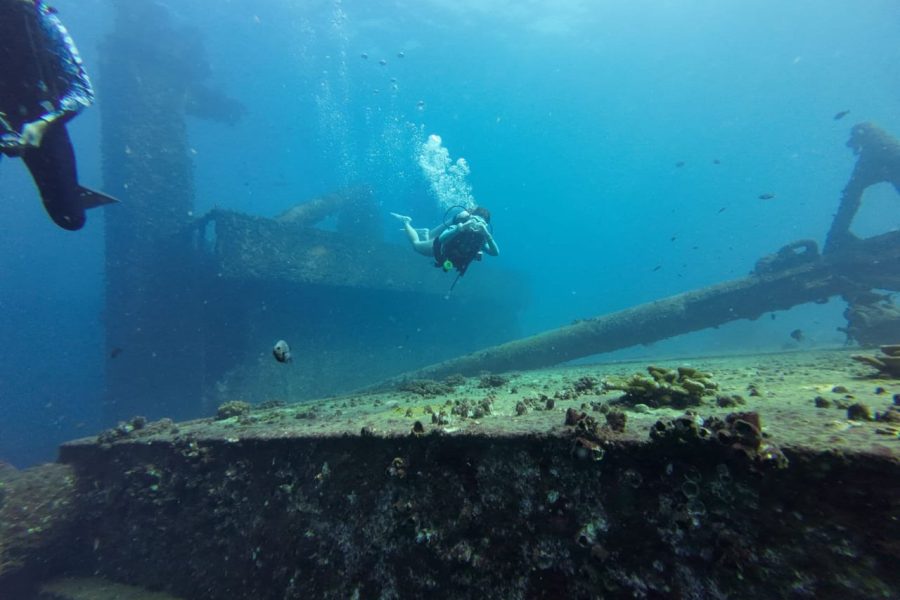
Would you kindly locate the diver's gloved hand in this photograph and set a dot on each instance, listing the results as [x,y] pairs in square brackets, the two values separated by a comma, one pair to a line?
[10,144]
[33,132]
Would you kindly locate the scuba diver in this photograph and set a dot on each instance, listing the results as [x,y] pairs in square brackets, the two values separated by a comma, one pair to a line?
[457,243]
[42,86]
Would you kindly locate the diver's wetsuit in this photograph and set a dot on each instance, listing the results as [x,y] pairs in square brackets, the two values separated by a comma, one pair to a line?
[42,78]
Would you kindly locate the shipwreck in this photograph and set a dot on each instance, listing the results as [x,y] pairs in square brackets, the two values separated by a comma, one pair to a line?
[472,472]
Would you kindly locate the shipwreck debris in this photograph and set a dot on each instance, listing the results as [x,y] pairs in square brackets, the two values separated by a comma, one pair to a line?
[872,319]
[878,162]
[796,274]
[888,363]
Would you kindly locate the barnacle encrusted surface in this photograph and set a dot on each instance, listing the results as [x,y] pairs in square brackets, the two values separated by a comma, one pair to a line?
[541,487]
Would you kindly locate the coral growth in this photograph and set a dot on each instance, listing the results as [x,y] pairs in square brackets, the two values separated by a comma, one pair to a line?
[678,388]
[492,380]
[233,408]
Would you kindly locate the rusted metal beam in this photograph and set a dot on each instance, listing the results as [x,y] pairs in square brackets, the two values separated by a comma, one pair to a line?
[815,280]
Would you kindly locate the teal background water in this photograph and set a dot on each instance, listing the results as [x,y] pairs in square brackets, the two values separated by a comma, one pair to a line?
[572,117]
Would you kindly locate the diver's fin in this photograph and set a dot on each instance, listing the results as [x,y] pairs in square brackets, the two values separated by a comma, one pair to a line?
[92,199]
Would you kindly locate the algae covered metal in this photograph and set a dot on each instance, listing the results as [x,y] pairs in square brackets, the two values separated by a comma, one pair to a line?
[395,494]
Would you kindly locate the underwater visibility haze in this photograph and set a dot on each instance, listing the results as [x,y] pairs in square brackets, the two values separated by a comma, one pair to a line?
[622,148]
[627,152]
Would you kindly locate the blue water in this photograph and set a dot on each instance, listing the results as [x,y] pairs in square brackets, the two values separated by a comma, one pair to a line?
[571,117]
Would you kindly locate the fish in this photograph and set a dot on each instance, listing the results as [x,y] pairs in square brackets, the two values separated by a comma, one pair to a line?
[797,334]
[716,161]
[115,352]
[281,351]
[841,115]
[679,164]
[766,196]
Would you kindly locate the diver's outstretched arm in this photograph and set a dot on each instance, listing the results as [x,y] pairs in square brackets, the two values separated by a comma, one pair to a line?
[490,246]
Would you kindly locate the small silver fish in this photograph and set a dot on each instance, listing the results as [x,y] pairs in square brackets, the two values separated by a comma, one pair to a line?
[281,351]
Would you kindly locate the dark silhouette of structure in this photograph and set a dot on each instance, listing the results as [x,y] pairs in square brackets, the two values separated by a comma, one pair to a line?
[193,304]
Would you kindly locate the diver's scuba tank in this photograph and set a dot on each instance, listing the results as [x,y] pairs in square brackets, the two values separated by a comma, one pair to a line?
[452,218]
